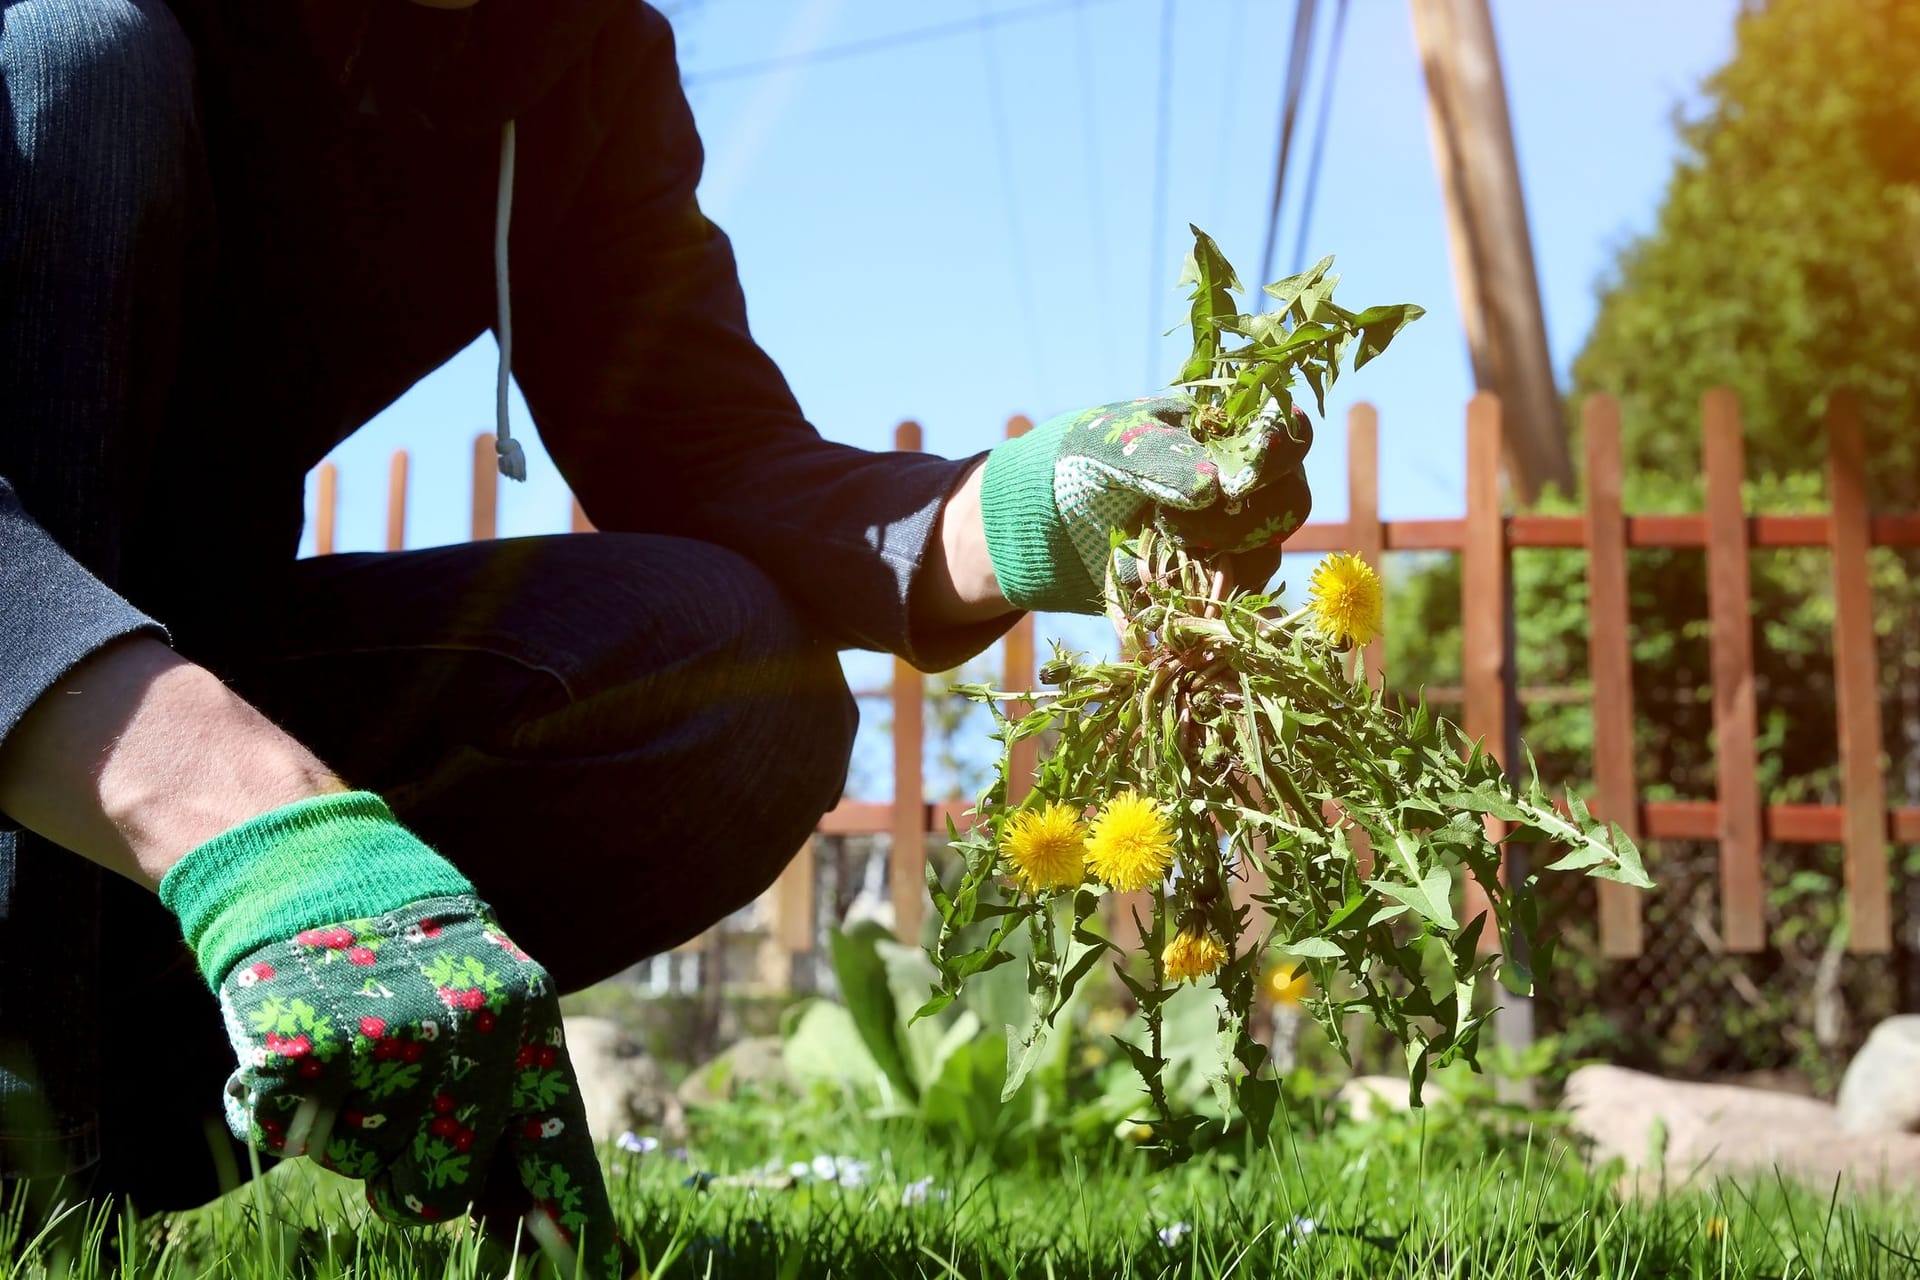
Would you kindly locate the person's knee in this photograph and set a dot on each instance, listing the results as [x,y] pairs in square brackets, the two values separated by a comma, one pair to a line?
[99,87]
[796,729]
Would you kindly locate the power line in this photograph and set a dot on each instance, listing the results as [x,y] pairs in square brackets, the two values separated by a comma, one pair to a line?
[877,44]
[1163,138]
[1016,239]
[1229,94]
[1090,142]
[1319,138]
[1289,108]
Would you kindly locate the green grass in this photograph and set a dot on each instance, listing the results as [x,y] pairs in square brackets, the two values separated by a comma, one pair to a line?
[1399,1198]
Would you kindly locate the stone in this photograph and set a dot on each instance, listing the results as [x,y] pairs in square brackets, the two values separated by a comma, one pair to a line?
[755,1063]
[620,1086]
[1881,1091]
[1674,1132]
[1370,1097]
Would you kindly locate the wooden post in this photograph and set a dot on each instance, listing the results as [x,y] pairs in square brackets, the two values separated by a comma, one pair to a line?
[1735,721]
[486,488]
[1610,666]
[1491,248]
[907,860]
[1856,684]
[1017,656]
[1364,533]
[790,933]
[324,500]
[1484,665]
[397,500]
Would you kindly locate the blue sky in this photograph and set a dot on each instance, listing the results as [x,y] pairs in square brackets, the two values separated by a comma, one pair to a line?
[962,228]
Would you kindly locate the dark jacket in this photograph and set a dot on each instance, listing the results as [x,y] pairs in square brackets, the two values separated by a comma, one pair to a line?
[336,233]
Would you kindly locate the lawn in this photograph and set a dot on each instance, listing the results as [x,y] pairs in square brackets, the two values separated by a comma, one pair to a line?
[1466,1193]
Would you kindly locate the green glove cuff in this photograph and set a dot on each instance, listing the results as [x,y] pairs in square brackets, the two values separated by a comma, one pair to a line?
[1033,558]
[314,862]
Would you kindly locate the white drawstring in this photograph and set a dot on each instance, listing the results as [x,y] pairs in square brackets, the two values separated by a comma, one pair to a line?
[513,459]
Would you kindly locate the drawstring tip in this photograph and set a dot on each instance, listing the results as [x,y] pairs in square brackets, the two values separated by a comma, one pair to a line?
[513,459]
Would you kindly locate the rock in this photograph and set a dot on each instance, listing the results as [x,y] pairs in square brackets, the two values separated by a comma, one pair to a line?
[1881,1091]
[620,1086]
[1370,1097]
[755,1063]
[1707,1130]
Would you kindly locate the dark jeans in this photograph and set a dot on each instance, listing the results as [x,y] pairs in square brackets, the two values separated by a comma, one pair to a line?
[619,738]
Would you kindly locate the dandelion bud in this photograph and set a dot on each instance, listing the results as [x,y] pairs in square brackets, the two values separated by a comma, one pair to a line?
[1055,671]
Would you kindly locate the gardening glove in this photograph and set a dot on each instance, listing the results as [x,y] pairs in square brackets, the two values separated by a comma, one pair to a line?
[385,1025]
[1052,498]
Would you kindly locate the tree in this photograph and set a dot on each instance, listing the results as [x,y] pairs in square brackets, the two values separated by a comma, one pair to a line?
[1785,264]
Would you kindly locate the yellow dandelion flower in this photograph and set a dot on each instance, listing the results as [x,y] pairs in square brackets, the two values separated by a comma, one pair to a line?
[1130,846]
[1716,1228]
[1193,953]
[1047,847]
[1286,984]
[1345,597]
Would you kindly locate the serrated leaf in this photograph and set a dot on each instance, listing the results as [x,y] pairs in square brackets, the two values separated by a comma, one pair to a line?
[1430,898]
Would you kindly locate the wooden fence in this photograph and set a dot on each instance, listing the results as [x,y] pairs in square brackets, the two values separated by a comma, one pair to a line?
[1485,538]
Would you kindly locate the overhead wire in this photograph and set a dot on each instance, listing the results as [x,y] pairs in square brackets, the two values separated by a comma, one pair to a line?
[1291,92]
[877,44]
[1229,95]
[1312,190]
[1162,147]
[1016,235]
[1090,143]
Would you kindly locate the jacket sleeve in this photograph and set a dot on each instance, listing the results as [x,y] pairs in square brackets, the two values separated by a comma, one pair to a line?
[662,411]
[53,613]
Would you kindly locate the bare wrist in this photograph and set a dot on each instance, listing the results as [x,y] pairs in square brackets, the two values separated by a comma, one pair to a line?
[959,585]
[138,756]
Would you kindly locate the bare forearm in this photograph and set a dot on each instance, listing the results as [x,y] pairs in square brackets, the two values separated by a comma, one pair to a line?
[139,756]
[958,584]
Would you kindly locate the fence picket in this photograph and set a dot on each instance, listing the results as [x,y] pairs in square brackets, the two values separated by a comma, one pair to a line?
[397,501]
[325,499]
[1856,684]
[1364,534]
[1484,659]
[907,856]
[1729,609]
[486,488]
[1609,667]
[1017,665]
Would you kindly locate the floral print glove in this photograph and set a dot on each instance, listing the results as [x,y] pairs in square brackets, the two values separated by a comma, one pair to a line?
[1052,498]
[406,1045]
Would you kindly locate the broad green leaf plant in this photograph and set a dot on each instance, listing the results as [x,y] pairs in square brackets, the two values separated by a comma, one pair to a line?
[1231,743]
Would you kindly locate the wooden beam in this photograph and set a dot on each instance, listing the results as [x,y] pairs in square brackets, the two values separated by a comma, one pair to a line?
[1491,247]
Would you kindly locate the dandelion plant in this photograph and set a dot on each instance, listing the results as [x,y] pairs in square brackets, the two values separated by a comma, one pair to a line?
[1268,802]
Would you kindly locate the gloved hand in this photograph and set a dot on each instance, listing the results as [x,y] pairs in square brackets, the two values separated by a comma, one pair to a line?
[385,1025]
[1052,497]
